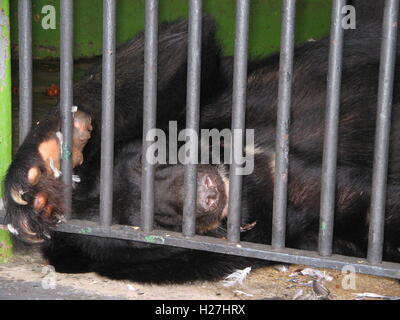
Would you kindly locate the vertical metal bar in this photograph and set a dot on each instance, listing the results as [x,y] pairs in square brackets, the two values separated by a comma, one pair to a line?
[108,103]
[193,112]
[328,180]
[25,67]
[385,93]
[66,96]
[149,110]
[283,121]
[238,116]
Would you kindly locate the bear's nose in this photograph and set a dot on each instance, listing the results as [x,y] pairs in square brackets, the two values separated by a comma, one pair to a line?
[208,194]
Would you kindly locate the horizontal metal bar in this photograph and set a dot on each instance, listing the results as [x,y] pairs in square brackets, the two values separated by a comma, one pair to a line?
[25,67]
[382,138]
[108,107]
[149,110]
[192,113]
[328,179]
[245,249]
[282,125]
[238,116]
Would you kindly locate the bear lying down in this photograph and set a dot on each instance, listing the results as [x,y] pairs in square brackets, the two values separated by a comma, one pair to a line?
[33,187]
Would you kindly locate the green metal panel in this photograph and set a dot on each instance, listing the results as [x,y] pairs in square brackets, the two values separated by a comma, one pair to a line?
[5,246]
[312,22]
[5,90]
[5,114]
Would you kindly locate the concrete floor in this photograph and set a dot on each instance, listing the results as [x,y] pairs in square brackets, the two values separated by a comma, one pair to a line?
[28,277]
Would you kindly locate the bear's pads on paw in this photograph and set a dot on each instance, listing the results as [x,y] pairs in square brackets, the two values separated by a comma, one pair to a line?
[81,135]
[49,151]
[34,191]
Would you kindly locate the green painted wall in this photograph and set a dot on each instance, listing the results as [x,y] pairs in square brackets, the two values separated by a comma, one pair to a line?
[5,246]
[5,90]
[312,22]
[5,116]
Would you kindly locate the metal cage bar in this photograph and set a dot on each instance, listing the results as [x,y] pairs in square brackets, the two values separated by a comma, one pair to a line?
[283,122]
[238,116]
[192,113]
[149,110]
[382,138]
[25,67]
[66,97]
[244,249]
[328,179]
[276,252]
[108,104]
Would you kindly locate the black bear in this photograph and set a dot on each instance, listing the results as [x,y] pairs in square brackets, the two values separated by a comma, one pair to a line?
[33,189]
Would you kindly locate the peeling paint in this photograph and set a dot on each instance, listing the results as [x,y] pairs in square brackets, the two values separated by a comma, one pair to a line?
[66,152]
[155,239]
[5,246]
[87,230]
[4,44]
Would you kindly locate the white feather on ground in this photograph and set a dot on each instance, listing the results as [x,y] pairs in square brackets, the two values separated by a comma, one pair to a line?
[236,277]
[313,273]
[239,292]
[375,295]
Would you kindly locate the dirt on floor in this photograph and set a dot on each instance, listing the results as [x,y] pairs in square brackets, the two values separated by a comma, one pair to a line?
[27,276]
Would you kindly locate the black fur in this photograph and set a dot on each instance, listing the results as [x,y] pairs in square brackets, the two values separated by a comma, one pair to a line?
[154,263]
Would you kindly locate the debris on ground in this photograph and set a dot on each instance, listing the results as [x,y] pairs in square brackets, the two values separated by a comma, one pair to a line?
[282,267]
[237,277]
[240,292]
[362,296]
[322,275]
[29,272]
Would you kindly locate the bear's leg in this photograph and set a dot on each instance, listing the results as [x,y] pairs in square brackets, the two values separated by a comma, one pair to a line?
[33,185]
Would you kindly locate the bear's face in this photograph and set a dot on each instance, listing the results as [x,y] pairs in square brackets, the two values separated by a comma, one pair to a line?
[212,197]
[169,192]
